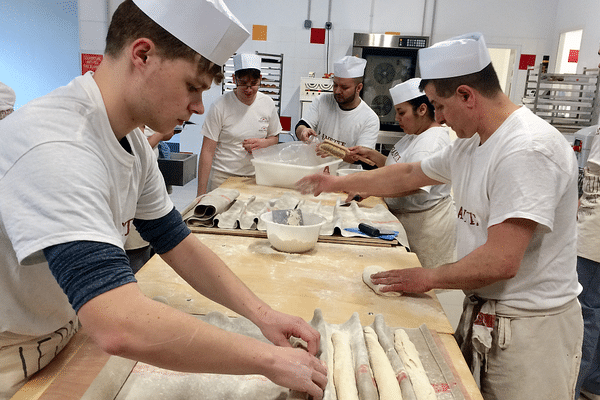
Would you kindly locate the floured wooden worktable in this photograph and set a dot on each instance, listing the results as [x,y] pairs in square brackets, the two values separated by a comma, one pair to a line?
[328,277]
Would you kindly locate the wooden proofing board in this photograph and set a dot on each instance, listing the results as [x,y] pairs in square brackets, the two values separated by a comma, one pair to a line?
[76,368]
[121,379]
[328,277]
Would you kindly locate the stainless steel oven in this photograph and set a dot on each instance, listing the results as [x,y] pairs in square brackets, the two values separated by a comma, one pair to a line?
[391,59]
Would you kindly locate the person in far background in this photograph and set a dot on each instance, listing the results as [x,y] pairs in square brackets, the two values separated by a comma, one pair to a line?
[237,123]
[7,100]
[156,138]
[137,249]
[343,116]
[428,215]
[588,270]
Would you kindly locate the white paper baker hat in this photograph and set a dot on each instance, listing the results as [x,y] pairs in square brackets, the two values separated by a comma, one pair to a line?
[207,26]
[349,67]
[7,97]
[458,56]
[407,90]
[246,61]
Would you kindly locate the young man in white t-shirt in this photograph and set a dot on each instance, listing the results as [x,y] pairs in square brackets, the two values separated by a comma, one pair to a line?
[514,180]
[238,123]
[76,172]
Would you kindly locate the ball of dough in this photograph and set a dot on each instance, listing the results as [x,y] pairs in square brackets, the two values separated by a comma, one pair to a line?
[373,269]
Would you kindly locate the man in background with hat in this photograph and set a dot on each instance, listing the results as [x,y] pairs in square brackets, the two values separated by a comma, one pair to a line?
[342,116]
[514,180]
[76,171]
[239,122]
[7,100]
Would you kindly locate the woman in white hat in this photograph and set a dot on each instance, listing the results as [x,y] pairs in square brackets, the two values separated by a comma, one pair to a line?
[428,215]
[237,123]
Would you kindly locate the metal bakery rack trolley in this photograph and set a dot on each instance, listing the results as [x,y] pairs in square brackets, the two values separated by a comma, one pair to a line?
[567,101]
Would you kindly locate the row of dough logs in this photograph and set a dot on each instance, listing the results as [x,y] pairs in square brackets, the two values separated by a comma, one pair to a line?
[391,365]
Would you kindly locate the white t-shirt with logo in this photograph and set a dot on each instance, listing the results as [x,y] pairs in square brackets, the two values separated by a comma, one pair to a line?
[356,127]
[413,148]
[64,177]
[229,122]
[526,169]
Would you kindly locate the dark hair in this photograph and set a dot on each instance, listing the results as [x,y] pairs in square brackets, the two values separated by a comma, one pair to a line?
[485,82]
[252,73]
[130,23]
[416,103]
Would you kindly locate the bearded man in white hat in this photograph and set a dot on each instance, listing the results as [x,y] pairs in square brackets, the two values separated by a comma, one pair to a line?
[342,116]
[514,180]
[240,121]
[76,172]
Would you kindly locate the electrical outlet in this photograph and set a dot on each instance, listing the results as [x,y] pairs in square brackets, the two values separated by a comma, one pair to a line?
[308,24]
[328,25]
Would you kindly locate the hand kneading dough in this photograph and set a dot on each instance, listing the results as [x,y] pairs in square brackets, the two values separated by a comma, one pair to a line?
[373,269]
[343,367]
[388,386]
[414,368]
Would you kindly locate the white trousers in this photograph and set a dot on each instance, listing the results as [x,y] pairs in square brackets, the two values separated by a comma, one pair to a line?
[216,179]
[533,355]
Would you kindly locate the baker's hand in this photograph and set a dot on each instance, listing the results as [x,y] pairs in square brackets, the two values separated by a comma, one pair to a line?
[315,184]
[305,134]
[298,370]
[279,327]
[254,143]
[356,152]
[410,280]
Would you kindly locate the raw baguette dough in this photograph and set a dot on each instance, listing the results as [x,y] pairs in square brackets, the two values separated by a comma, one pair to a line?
[332,392]
[388,386]
[343,367]
[410,357]
[373,269]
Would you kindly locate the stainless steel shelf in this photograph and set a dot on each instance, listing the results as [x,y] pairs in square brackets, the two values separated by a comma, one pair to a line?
[567,101]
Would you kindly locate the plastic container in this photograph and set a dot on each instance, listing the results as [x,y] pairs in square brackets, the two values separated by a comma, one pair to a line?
[294,238]
[271,173]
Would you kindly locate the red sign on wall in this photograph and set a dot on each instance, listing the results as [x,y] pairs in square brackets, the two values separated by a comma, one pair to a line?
[526,61]
[317,35]
[89,62]
[286,123]
[573,56]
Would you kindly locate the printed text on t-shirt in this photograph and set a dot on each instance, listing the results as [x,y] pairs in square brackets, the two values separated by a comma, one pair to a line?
[467,217]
